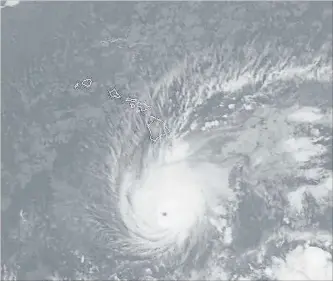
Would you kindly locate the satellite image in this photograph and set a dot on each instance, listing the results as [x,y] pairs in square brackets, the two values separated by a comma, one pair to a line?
[166,140]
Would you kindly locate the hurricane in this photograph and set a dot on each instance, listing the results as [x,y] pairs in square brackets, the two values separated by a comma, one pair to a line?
[170,203]
[163,200]
[226,175]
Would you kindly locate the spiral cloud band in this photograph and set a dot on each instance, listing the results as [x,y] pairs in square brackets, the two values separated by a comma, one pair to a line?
[168,207]
[166,141]
[171,203]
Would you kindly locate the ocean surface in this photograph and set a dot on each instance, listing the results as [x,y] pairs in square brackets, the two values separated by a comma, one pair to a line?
[166,141]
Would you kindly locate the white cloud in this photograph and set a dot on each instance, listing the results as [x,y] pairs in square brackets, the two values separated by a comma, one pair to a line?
[303,263]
